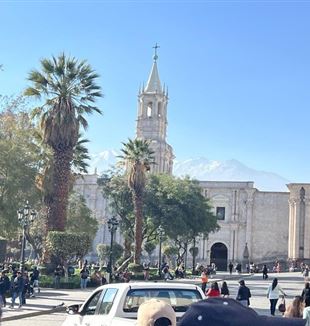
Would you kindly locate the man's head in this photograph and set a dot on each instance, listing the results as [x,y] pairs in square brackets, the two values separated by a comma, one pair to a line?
[155,312]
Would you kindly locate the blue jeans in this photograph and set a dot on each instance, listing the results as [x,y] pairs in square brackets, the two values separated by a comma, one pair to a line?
[83,283]
[20,297]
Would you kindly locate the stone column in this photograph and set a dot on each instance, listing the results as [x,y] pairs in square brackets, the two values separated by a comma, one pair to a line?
[299,221]
[307,229]
[249,220]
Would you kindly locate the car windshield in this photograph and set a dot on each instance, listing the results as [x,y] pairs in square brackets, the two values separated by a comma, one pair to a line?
[179,299]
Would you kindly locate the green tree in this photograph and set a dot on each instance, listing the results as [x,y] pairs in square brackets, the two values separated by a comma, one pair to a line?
[68,246]
[149,247]
[69,91]
[103,251]
[115,187]
[80,217]
[137,157]
[19,163]
[178,205]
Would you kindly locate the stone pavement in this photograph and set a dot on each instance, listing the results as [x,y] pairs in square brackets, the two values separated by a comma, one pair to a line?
[45,302]
[52,300]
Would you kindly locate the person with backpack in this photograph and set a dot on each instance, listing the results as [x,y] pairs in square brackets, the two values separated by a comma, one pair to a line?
[273,294]
[84,277]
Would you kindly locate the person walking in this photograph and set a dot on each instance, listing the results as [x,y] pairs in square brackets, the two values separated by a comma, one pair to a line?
[224,290]
[306,294]
[5,285]
[273,294]
[230,267]
[265,272]
[214,290]
[18,287]
[244,294]
[204,280]
[34,280]
[295,308]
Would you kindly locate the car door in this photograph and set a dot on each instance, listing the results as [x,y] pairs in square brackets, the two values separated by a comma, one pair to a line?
[88,313]
[104,315]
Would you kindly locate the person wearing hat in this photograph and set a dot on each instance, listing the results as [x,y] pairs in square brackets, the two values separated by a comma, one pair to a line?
[156,312]
[229,312]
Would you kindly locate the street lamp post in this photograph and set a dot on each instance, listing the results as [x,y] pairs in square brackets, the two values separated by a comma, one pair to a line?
[112,226]
[26,216]
[160,235]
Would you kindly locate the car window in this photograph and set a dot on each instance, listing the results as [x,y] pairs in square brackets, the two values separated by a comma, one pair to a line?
[90,307]
[179,299]
[107,301]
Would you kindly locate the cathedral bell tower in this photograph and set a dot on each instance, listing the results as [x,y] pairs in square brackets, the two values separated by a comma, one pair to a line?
[152,120]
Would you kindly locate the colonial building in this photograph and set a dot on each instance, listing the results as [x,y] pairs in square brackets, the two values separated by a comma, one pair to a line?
[254,225]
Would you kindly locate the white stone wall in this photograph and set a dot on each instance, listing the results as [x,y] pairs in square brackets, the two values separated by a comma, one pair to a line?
[270,226]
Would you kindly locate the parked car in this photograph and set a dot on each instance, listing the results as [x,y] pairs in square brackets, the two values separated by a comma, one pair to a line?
[117,304]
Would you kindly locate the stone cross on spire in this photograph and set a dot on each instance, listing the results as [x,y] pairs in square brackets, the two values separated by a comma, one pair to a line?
[155,57]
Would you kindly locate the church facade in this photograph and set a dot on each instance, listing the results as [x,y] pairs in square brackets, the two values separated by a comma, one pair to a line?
[254,225]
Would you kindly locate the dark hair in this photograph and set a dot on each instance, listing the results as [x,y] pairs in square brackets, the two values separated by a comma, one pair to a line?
[163,321]
[215,286]
[307,285]
[274,283]
[241,282]
[224,285]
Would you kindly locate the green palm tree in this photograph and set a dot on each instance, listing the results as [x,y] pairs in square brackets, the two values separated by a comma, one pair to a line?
[68,88]
[137,158]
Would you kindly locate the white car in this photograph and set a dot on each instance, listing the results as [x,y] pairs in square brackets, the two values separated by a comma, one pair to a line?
[117,304]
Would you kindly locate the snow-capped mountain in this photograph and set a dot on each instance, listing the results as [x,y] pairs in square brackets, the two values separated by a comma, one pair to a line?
[232,170]
[205,170]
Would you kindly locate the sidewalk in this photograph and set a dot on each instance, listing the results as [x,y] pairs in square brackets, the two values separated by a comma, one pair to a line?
[45,302]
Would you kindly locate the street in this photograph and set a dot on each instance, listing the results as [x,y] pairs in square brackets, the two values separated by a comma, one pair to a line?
[291,283]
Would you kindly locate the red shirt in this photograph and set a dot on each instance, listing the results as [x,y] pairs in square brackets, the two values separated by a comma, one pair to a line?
[213,293]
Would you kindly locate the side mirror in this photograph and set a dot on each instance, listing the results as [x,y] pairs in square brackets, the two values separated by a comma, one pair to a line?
[73,309]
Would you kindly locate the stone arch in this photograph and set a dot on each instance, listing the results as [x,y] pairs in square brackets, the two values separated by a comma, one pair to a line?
[219,255]
[149,109]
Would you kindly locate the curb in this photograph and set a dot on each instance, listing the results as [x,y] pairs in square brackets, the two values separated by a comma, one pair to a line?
[60,308]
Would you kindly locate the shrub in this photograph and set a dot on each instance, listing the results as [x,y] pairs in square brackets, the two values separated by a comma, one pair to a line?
[135,268]
[68,246]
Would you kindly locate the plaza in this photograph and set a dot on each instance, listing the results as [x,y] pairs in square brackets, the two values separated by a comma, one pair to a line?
[292,284]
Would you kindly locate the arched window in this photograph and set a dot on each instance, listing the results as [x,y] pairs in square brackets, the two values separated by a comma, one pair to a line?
[149,109]
[159,109]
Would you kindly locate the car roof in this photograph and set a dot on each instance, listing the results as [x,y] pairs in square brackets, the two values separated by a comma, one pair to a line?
[150,285]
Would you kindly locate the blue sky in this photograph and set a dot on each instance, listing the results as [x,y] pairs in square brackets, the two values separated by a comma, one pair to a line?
[238,72]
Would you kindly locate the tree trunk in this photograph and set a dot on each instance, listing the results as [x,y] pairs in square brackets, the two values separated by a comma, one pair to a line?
[61,182]
[138,204]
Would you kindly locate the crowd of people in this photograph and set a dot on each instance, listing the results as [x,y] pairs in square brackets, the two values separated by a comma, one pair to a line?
[298,308]
[21,285]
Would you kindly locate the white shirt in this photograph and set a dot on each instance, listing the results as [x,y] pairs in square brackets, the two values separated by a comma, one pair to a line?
[275,293]
[306,315]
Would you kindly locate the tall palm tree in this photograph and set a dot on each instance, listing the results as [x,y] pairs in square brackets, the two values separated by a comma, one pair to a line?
[137,158]
[68,88]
